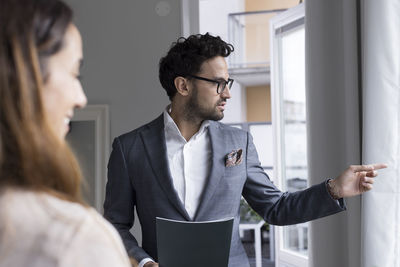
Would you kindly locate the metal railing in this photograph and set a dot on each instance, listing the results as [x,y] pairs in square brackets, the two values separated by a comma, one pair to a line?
[249,34]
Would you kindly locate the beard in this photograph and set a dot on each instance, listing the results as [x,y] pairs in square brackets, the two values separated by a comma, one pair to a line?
[195,111]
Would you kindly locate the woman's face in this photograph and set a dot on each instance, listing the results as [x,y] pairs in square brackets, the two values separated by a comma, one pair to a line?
[62,89]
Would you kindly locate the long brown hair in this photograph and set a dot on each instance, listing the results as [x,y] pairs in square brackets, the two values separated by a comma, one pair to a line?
[31,156]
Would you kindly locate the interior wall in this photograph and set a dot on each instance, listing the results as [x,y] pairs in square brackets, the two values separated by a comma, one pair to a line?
[333,123]
[122,44]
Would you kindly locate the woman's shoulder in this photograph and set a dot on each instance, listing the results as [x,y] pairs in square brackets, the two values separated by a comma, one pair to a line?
[40,208]
[68,231]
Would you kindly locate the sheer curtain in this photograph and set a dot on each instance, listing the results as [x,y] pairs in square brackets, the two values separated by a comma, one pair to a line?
[381,117]
[353,92]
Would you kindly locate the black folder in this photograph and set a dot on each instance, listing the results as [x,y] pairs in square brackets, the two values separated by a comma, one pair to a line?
[194,244]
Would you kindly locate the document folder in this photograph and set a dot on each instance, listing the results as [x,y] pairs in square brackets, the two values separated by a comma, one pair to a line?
[194,244]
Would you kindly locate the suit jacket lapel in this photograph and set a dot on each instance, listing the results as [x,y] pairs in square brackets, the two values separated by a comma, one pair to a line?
[217,167]
[154,140]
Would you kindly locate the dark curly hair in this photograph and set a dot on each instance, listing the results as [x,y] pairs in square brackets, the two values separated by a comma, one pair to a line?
[186,56]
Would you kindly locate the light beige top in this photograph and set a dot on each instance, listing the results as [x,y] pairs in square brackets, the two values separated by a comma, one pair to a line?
[40,230]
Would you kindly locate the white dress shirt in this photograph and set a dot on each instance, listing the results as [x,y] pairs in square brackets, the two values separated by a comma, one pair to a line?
[189,163]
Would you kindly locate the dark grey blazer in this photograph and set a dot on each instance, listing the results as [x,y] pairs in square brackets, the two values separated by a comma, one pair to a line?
[139,176]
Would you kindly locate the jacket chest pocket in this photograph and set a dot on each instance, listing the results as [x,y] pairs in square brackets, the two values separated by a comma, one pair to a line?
[235,172]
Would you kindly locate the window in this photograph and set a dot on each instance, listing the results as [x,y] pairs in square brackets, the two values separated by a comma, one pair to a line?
[289,117]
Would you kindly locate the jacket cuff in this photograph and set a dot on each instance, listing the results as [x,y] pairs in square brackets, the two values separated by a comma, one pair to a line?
[340,202]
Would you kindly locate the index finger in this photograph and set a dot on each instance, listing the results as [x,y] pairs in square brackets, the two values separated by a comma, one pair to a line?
[378,166]
[369,167]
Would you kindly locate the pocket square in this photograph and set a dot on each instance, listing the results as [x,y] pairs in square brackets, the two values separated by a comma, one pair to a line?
[234,158]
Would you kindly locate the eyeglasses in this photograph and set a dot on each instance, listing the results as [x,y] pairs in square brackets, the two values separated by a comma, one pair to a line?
[221,84]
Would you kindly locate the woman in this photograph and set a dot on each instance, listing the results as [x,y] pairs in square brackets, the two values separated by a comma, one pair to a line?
[43,221]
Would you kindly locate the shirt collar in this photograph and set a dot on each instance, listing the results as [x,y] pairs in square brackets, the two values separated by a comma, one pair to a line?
[170,125]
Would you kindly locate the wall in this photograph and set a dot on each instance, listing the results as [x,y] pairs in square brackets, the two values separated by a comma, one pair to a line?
[257,38]
[255,5]
[258,100]
[333,123]
[213,18]
[214,15]
[123,42]
[235,110]
[258,49]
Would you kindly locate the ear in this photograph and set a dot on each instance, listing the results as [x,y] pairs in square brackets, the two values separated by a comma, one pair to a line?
[181,85]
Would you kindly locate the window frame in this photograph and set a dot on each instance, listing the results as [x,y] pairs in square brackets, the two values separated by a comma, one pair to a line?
[285,21]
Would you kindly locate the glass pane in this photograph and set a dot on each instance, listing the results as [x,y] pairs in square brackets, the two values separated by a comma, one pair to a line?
[249,34]
[262,138]
[293,113]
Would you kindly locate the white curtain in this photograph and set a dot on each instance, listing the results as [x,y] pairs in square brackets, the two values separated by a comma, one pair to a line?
[381,132]
[342,111]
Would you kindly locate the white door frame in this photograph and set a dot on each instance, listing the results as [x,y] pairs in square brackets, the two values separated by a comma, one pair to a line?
[99,114]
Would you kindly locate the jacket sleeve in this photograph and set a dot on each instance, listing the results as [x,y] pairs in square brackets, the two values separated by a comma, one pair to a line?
[281,208]
[120,201]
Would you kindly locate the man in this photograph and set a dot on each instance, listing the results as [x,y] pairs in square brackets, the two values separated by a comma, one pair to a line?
[186,166]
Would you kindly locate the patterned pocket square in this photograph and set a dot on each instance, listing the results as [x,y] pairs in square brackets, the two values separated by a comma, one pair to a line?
[234,158]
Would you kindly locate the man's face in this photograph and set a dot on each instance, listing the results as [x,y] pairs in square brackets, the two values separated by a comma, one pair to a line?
[204,102]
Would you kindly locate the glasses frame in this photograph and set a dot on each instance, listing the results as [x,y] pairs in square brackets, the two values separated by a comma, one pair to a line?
[224,83]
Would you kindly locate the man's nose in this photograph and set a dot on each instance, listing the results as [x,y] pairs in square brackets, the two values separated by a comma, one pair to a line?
[226,93]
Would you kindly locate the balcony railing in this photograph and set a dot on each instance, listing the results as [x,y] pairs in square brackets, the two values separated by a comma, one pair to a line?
[249,33]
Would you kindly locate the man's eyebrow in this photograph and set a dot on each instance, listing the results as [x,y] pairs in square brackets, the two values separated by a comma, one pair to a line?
[220,78]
